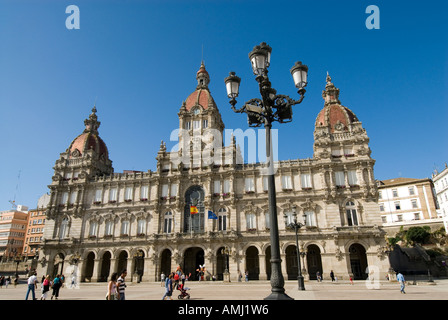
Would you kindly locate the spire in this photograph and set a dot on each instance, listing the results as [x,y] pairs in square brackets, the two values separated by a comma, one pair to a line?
[92,124]
[202,77]
[331,93]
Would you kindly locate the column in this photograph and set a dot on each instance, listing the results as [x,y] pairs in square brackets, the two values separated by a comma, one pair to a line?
[262,265]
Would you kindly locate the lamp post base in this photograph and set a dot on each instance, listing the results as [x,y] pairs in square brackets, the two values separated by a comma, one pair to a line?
[278,296]
[301,282]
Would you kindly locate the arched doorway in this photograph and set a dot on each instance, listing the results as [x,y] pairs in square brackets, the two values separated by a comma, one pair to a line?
[252,263]
[221,264]
[88,269]
[165,264]
[358,261]
[139,264]
[58,266]
[122,261]
[193,258]
[292,268]
[194,223]
[314,261]
[105,267]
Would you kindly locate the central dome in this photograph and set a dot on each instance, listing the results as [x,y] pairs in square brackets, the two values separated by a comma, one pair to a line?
[334,115]
[201,96]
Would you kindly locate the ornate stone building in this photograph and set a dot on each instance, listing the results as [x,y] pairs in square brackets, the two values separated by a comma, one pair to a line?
[100,221]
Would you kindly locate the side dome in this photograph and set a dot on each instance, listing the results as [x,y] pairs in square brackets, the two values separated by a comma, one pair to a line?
[334,115]
[89,140]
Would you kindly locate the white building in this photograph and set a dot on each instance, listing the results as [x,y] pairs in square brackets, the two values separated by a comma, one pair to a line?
[407,202]
[441,188]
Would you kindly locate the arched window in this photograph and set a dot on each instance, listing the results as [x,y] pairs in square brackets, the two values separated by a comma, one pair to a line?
[352,217]
[168,222]
[63,230]
[222,219]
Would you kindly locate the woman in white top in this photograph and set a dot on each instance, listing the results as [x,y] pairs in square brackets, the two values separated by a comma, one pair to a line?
[112,288]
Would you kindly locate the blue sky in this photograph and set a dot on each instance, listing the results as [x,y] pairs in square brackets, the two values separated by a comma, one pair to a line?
[138,61]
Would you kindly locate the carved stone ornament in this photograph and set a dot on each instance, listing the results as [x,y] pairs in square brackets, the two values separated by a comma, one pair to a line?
[76,153]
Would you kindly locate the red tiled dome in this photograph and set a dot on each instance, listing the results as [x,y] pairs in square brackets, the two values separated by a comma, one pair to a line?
[201,97]
[87,141]
[335,115]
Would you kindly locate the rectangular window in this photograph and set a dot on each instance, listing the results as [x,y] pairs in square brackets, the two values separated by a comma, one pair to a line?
[125,227]
[340,178]
[188,125]
[217,187]
[287,182]
[395,193]
[93,228]
[249,185]
[352,178]
[164,191]
[417,216]
[226,186]
[141,226]
[108,228]
[250,221]
[144,192]
[196,124]
[73,197]
[267,220]
[168,224]
[113,194]
[414,203]
[205,123]
[381,206]
[64,198]
[98,195]
[310,218]
[380,195]
[265,183]
[411,190]
[173,191]
[352,218]
[397,205]
[305,180]
[128,194]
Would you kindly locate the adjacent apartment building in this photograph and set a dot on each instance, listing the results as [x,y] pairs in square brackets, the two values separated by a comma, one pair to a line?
[441,188]
[407,202]
[12,232]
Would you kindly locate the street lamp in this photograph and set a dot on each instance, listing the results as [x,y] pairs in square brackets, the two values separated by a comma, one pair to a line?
[294,224]
[271,107]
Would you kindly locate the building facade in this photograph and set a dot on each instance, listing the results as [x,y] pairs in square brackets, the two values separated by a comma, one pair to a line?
[407,202]
[99,221]
[441,188]
[35,228]
[12,232]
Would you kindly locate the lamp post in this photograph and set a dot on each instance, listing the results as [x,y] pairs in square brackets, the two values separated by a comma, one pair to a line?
[294,224]
[270,108]
[226,251]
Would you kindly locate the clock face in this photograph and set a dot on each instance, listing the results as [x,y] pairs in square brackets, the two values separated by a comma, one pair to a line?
[196,111]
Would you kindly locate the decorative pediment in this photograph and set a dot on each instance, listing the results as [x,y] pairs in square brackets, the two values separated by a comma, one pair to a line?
[308,205]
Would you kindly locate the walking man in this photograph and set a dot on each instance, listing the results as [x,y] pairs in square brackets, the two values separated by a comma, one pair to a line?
[400,279]
[32,285]
[122,284]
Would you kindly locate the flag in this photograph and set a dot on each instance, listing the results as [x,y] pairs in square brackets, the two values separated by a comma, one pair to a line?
[193,210]
[212,215]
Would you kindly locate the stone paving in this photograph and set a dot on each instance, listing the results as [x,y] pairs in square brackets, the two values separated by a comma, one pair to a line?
[252,290]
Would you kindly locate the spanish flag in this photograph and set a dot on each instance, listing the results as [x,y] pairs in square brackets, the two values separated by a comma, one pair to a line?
[193,210]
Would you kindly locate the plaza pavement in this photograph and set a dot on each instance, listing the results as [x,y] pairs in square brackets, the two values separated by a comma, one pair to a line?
[252,290]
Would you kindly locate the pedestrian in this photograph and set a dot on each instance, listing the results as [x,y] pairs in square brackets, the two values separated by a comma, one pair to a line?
[7,281]
[332,276]
[247,275]
[183,279]
[400,279]
[168,288]
[56,285]
[122,284]
[16,280]
[73,284]
[318,276]
[162,279]
[45,287]
[32,285]
[176,280]
[351,279]
[112,288]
